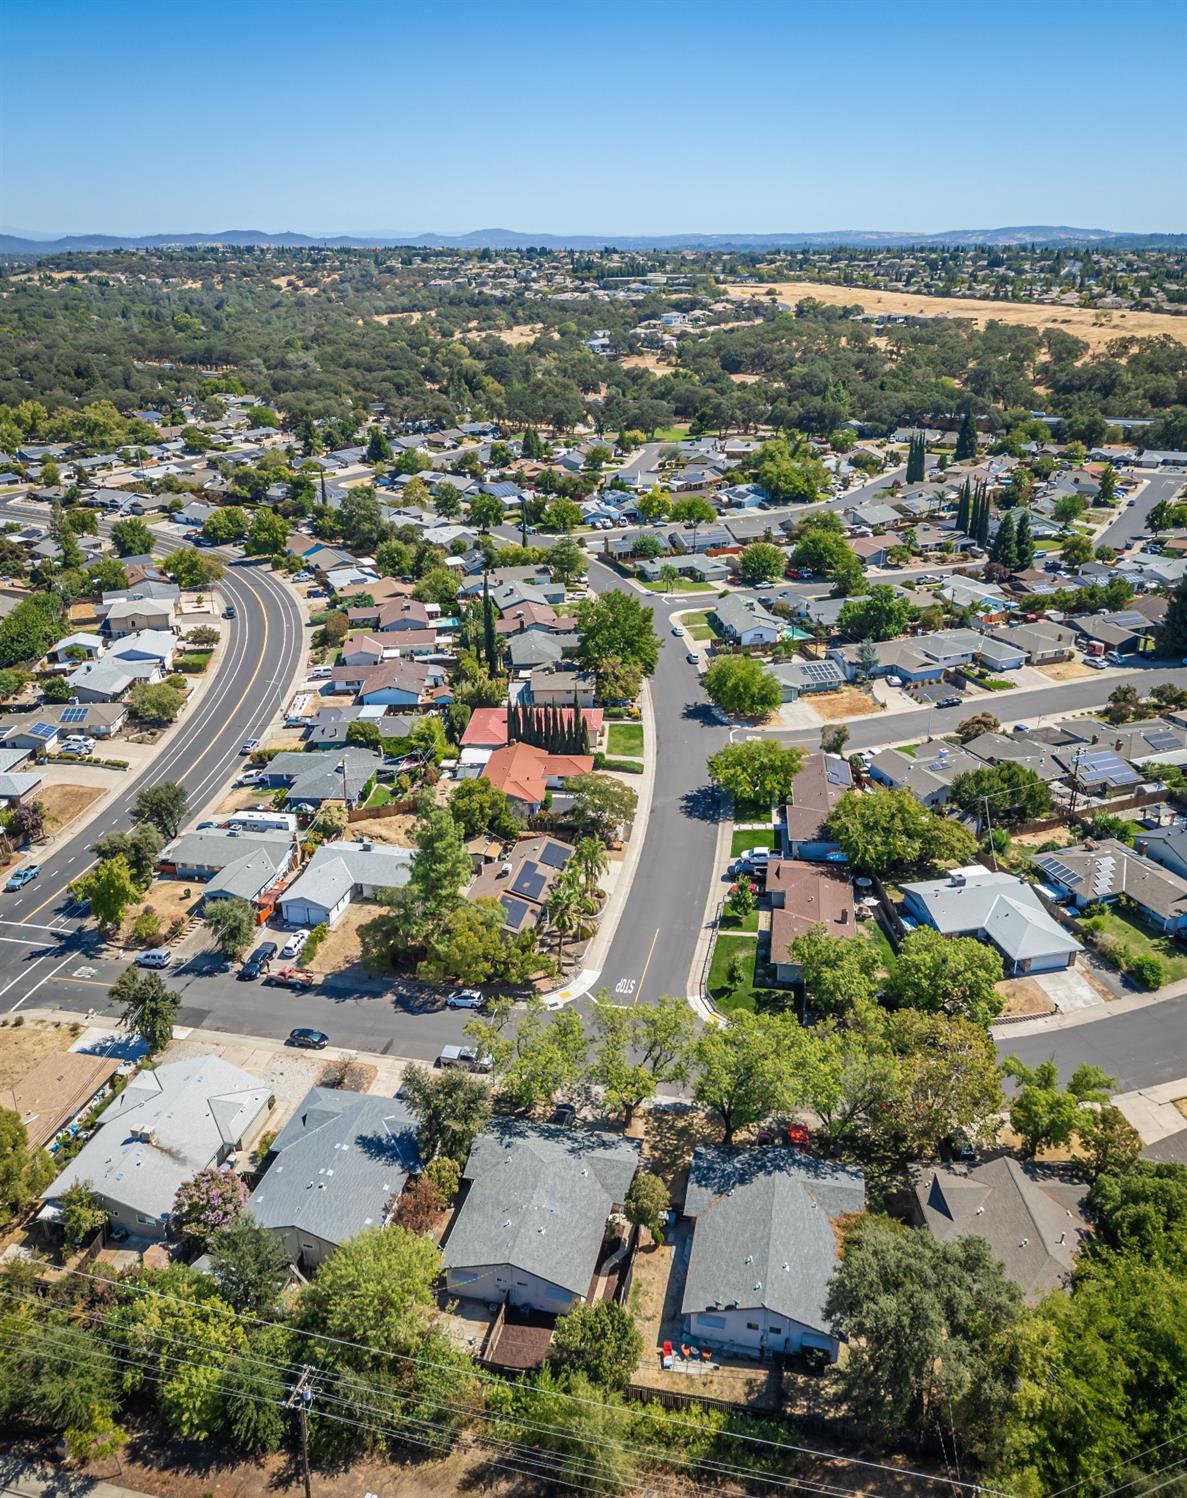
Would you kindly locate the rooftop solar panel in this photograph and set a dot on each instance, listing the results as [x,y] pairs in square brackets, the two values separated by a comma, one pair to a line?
[1162,739]
[74,715]
[1059,870]
[555,855]
[516,911]
[530,882]
[44,730]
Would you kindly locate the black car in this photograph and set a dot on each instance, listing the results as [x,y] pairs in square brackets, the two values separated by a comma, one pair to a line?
[309,1040]
[259,961]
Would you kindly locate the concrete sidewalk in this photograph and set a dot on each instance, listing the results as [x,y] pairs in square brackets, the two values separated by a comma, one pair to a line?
[27,1480]
[1152,1111]
[1088,1015]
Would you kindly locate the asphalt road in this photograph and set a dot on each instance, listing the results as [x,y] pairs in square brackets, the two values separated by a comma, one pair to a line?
[1140,1049]
[1133,522]
[264,646]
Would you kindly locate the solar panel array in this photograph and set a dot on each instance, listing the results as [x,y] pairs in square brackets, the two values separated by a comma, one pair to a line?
[555,855]
[1059,870]
[1161,740]
[821,671]
[531,882]
[74,715]
[516,911]
[44,730]
[1103,764]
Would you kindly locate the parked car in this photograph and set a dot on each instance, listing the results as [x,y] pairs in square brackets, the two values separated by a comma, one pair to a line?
[1096,662]
[302,577]
[321,673]
[294,943]
[465,998]
[259,962]
[249,777]
[229,611]
[465,1056]
[755,857]
[309,1040]
[80,747]
[22,877]
[318,593]
[290,977]
[155,957]
[693,658]
[249,746]
[677,631]
[953,701]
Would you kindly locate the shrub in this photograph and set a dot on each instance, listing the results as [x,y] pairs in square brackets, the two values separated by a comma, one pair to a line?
[1148,971]
[313,941]
[446,1175]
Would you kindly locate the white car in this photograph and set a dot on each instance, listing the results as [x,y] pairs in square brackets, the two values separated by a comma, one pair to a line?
[302,577]
[249,777]
[84,748]
[294,944]
[465,998]
[677,631]
[1097,662]
[754,858]
[155,957]
[249,746]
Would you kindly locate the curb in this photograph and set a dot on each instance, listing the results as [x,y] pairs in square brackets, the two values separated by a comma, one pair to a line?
[697,997]
[595,954]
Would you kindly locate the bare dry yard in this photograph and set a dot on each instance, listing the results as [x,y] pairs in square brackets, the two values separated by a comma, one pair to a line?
[396,831]
[23,1046]
[849,702]
[63,803]
[386,317]
[340,950]
[653,362]
[1079,321]
[172,899]
[1066,670]
[1024,996]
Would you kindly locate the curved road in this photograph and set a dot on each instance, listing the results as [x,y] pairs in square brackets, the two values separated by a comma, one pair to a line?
[264,644]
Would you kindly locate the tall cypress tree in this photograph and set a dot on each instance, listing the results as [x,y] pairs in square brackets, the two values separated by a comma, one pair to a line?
[1024,542]
[983,517]
[966,438]
[1004,548]
[489,641]
[916,459]
[964,509]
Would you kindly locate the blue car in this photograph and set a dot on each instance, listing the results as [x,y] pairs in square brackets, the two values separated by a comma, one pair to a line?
[22,877]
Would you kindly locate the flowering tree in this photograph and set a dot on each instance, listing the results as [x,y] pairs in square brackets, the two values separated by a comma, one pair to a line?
[207,1204]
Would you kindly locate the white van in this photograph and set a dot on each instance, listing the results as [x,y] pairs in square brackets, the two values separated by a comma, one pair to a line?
[155,957]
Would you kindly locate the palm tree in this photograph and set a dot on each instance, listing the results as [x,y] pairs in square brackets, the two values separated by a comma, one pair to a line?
[561,909]
[590,857]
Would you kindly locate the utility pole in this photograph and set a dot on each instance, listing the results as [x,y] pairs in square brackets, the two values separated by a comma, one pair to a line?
[989,826]
[1071,806]
[301,1399]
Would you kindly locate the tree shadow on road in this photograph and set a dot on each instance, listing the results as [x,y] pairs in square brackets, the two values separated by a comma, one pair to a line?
[703,804]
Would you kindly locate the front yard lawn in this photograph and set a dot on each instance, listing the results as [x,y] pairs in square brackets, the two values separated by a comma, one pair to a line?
[681,585]
[751,837]
[624,740]
[380,796]
[724,951]
[752,811]
[1141,941]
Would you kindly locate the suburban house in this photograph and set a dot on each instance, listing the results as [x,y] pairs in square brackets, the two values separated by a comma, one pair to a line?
[522,880]
[804,895]
[818,787]
[487,728]
[99,719]
[1166,846]
[1032,1216]
[109,679]
[127,616]
[338,874]
[230,863]
[873,551]
[526,774]
[334,1170]
[1043,641]
[78,646]
[1107,871]
[745,621]
[765,1240]
[403,682]
[312,779]
[530,1227]
[549,686]
[166,1126]
[804,678]
[1018,749]
[395,616]
[537,650]
[52,1094]
[928,773]
[997,908]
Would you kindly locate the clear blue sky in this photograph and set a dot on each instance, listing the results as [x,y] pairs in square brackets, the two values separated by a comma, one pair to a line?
[658,116]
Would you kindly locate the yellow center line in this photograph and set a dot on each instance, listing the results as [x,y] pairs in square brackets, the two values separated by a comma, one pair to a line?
[57,894]
[646,965]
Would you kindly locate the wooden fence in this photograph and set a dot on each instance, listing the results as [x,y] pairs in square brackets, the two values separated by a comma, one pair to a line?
[392,809]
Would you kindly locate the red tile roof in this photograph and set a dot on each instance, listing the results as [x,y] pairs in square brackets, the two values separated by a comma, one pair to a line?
[523,771]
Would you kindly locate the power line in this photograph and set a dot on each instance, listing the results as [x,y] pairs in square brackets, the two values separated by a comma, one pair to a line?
[784,1446]
[1125,1462]
[288,1370]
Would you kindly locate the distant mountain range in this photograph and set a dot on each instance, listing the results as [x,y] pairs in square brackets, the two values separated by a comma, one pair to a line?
[27,243]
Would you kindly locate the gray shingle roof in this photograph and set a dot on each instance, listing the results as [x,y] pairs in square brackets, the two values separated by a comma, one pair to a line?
[337,1164]
[765,1230]
[539,1199]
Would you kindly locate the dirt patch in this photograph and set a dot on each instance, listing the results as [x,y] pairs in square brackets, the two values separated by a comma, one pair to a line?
[396,831]
[341,948]
[386,317]
[23,1046]
[1066,670]
[246,798]
[654,362]
[1024,996]
[1079,321]
[670,1134]
[743,378]
[63,803]
[521,333]
[1181,1105]
[172,899]
[849,702]
[348,1076]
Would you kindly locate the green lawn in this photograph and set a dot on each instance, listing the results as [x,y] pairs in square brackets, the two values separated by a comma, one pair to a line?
[380,796]
[624,740]
[670,434]
[750,923]
[681,585]
[908,749]
[875,935]
[701,632]
[724,950]
[694,618]
[751,837]
[752,811]
[1143,942]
